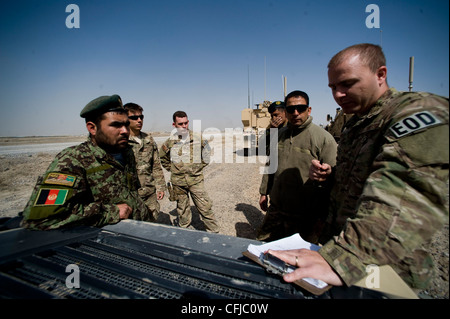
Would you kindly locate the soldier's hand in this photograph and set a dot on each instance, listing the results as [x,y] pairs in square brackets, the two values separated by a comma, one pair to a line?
[319,172]
[159,195]
[309,263]
[124,211]
[263,203]
[275,122]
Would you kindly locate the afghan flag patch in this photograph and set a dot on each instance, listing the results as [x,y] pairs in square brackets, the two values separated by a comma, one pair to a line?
[60,179]
[48,196]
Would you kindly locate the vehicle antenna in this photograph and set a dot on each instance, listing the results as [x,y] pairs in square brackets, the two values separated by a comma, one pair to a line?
[411,73]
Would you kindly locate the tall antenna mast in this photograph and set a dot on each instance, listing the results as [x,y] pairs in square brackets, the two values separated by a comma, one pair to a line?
[381,38]
[248,84]
[264,78]
[411,73]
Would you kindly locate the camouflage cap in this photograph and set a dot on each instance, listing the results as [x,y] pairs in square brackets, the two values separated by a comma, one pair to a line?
[275,105]
[102,105]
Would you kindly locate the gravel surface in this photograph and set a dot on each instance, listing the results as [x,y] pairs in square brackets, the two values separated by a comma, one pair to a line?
[233,188]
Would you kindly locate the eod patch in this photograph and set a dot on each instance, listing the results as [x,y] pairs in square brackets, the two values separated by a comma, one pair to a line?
[414,122]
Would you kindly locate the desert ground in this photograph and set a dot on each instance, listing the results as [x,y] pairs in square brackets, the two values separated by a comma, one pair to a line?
[232,185]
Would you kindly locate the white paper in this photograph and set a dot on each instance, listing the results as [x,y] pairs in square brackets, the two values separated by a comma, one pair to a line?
[288,243]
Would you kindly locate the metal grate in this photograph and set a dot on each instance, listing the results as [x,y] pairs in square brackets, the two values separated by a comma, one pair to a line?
[113,266]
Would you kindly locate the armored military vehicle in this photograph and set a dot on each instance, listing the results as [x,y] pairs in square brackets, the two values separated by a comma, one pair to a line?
[255,122]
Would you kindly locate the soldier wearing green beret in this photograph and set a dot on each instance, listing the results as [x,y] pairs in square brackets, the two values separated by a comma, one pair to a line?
[390,193]
[94,183]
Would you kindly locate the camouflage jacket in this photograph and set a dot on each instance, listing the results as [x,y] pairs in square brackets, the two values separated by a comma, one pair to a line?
[82,186]
[185,160]
[297,147]
[148,164]
[390,194]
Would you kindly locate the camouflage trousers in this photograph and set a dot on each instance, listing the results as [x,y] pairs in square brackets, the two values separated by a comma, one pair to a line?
[201,202]
[149,197]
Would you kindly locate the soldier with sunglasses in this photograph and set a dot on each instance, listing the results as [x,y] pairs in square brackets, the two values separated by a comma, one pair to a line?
[297,204]
[148,164]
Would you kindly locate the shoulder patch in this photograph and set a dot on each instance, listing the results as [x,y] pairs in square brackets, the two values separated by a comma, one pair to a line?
[60,179]
[51,196]
[414,122]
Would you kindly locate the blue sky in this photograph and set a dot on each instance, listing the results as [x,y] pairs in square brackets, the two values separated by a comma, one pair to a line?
[194,55]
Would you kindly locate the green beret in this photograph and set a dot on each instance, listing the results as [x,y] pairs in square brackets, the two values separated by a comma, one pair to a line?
[102,105]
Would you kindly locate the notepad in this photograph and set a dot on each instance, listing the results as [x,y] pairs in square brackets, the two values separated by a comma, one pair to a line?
[256,253]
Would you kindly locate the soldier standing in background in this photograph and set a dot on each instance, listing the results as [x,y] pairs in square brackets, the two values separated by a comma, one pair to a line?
[94,183]
[148,164]
[278,120]
[390,194]
[184,155]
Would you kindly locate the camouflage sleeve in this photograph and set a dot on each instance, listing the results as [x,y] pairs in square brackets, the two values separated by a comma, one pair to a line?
[164,155]
[157,170]
[404,200]
[62,197]
[206,153]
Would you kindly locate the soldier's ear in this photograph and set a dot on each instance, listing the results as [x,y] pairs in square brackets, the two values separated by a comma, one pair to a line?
[381,75]
[92,128]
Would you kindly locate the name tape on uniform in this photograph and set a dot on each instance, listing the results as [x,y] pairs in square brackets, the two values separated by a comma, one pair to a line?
[414,122]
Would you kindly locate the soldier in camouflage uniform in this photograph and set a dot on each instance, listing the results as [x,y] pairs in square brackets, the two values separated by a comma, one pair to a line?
[185,154]
[94,183]
[390,193]
[148,164]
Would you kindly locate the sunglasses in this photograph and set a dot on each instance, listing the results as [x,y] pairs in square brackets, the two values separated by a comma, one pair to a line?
[300,108]
[135,117]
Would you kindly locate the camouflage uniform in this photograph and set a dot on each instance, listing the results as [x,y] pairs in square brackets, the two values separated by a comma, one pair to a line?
[185,161]
[296,203]
[82,187]
[151,175]
[390,195]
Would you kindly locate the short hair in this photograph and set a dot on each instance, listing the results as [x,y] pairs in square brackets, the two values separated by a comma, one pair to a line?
[370,54]
[297,94]
[178,114]
[133,107]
